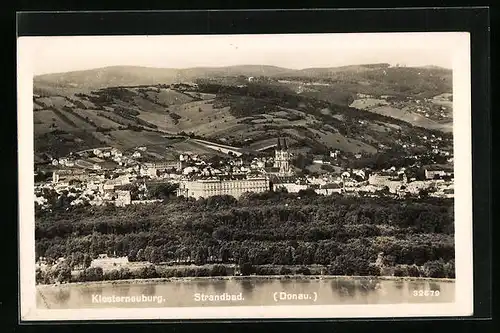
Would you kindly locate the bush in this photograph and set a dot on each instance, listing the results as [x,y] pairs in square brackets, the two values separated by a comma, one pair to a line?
[202,271]
[400,271]
[285,271]
[434,269]
[39,276]
[304,270]
[265,270]
[92,274]
[148,272]
[246,268]
[112,275]
[413,271]
[449,269]
[218,270]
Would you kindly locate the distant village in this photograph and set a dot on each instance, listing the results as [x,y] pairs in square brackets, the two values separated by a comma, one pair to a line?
[109,176]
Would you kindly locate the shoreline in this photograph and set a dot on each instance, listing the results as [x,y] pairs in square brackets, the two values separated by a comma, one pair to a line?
[245,278]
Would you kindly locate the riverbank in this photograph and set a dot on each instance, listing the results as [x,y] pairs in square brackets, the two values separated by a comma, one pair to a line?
[247,278]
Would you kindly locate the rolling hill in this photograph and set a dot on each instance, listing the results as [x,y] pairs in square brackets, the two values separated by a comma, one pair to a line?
[382,74]
[133,76]
[121,106]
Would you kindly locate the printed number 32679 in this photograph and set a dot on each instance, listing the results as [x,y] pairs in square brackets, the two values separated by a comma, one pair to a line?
[425,292]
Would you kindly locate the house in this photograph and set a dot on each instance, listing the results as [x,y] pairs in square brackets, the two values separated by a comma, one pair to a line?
[107,263]
[437,171]
[108,187]
[136,154]
[345,175]
[334,154]
[123,198]
[290,187]
[328,189]
[116,153]
[359,173]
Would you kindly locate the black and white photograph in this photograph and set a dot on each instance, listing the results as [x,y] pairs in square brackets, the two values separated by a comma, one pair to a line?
[245,176]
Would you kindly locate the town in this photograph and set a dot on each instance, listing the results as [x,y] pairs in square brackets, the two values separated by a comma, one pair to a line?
[109,176]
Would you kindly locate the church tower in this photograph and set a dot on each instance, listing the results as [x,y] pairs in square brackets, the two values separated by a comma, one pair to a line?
[282,157]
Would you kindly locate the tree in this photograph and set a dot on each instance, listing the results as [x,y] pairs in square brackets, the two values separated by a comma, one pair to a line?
[413,271]
[140,255]
[423,193]
[400,271]
[200,257]
[163,191]
[434,269]
[449,269]
[93,274]
[87,260]
[285,270]
[155,256]
[76,259]
[224,255]
[218,270]
[39,276]
[132,255]
[246,267]
[304,270]
[148,272]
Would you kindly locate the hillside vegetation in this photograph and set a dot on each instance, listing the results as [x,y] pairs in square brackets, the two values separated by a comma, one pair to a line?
[71,112]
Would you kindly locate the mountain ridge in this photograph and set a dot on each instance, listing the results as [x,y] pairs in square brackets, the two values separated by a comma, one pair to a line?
[139,75]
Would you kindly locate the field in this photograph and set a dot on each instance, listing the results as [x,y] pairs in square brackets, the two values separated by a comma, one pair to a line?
[338,141]
[191,147]
[56,101]
[168,97]
[201,117]
[261,144]
[410,117]
[46,121]
[163,121]
[368,103]
[88,104]
[37,106]
[129,139]
[116,118]
[198,95]
[81,124]
[145,105]
[445,103]
[99,121]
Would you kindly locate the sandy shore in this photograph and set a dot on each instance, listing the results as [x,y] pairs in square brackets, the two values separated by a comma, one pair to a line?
[247,278]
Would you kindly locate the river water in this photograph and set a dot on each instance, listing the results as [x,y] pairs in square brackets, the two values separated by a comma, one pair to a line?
[249,292]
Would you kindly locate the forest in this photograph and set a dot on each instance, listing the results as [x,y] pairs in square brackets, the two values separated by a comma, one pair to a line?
[345,235]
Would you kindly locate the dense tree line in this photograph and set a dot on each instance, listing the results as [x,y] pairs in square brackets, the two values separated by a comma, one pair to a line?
[344,234]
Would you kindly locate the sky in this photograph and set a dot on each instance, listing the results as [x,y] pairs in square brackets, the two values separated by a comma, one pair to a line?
[294,51]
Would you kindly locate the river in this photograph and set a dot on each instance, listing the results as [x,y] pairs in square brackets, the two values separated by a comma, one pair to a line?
[253,291]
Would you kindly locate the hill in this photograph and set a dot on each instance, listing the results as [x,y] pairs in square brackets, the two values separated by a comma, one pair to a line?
[249,115]
[380,76]
[132,76]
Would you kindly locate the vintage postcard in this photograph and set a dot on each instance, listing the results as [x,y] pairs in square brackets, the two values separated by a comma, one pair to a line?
[245,176]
